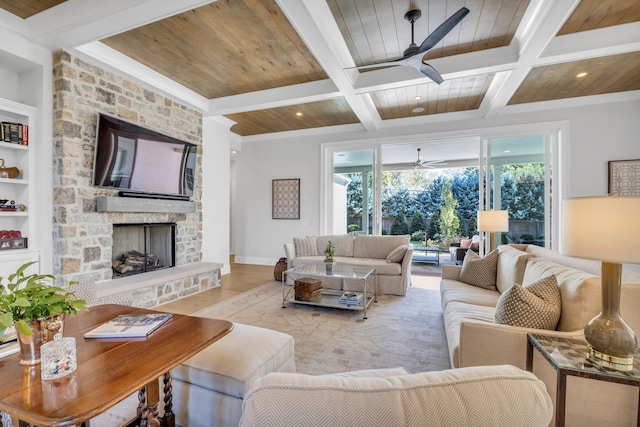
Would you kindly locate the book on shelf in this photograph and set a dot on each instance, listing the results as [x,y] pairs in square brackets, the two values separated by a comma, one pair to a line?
[15,133]
[129,326]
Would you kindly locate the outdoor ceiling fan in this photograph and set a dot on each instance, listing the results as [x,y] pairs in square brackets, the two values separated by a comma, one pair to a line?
[413,55]
[419,163]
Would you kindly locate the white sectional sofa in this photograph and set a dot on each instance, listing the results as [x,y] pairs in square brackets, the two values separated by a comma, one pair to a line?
[481,396]
[475,339]
[390,255]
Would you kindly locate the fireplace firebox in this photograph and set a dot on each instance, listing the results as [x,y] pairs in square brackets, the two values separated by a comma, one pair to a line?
[140,248]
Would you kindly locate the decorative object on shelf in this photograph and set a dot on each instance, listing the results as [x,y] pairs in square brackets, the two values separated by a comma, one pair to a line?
[11,171]
[615,220]
[329,253]
[280,267]
[36,308]
[624,177]
[8,205]
[285,199]
[491,222]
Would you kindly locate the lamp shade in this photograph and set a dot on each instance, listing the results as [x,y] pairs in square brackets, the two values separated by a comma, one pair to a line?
[493,221]
[603,228]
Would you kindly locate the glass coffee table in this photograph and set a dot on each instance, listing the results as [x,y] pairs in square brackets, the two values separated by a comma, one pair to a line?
[331,297]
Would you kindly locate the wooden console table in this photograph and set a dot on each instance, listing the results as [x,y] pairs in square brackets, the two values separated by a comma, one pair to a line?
[108,370]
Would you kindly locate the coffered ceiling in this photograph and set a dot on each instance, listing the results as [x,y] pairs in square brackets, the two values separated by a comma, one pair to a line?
[282,65]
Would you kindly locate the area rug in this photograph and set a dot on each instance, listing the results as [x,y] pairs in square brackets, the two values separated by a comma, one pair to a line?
[400,331]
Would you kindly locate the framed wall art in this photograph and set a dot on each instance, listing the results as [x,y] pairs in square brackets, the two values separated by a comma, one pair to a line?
[624,177]
[285,199]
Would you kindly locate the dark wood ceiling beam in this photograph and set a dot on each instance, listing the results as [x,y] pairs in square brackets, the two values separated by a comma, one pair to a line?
[77,22]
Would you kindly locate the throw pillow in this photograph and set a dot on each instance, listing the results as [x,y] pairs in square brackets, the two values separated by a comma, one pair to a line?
[537,305]
[305,246]
[397,254]
[480,271]
[465,243]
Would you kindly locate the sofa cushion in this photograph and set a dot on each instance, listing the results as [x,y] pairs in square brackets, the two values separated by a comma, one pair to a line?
[536,305]
[580,291]
[397,255]
[343,243]
[480,271]
[465,243]
[480,395]
[305,246]
[511,265]
[454,314]
[377,246]
[453,290]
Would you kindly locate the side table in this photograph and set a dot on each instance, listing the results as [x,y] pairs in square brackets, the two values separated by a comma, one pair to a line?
[568,356]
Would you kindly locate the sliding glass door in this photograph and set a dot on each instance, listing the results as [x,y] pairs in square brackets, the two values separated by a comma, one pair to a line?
[517,174]
[353,191]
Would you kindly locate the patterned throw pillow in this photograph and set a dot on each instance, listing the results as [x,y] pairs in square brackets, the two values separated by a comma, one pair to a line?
[537,305]
[305,246]
[397,254]
[479,271]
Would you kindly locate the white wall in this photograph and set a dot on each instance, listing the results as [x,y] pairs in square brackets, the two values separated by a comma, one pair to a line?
[258,237]
[597,134]
[216,191]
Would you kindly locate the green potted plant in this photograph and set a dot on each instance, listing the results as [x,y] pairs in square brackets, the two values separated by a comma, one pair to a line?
[329,252]
[35,308]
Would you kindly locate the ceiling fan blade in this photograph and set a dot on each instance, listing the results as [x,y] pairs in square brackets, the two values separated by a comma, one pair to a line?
[444,29]
[400,61]
[431,72]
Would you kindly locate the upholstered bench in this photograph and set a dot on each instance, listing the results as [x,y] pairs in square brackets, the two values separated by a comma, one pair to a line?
[208,388]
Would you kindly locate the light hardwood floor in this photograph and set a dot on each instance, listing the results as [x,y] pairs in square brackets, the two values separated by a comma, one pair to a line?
[242,278]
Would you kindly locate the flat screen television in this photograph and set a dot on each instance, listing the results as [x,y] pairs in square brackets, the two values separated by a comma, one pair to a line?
[141,162]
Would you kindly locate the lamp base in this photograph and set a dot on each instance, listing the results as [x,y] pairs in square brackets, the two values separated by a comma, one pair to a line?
[609,358]
[609,338]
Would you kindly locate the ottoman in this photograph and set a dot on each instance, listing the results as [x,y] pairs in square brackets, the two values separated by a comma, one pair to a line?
[208,388]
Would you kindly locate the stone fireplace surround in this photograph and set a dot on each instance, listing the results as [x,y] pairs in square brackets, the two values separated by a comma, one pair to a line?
[84,215]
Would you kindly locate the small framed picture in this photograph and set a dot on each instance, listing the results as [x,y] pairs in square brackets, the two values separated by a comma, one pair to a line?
[624,177]
[18,244]
[285,199]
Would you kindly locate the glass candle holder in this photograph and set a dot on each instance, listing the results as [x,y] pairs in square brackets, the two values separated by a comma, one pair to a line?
[58,357]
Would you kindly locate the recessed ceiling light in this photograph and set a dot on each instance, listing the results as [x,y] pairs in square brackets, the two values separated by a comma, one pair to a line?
[298,114]
[507,151]
[581,75]
[418,110]
[417,97]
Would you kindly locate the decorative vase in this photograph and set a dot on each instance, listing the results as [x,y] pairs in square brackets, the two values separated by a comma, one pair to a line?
[329,266]
[42,331]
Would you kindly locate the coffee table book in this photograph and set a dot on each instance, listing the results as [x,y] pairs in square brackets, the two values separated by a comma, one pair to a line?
[129,326]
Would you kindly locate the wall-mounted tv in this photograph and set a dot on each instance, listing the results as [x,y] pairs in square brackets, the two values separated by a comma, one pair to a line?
[141,162]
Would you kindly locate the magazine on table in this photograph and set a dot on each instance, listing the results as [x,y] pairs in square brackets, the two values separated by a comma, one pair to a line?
[351,298]
[129,326]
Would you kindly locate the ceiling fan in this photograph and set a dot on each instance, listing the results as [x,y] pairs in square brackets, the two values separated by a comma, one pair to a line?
[418,164]
[413,55]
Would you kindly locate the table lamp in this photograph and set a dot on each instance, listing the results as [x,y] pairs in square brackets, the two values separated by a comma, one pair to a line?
[605,229]
[492,222]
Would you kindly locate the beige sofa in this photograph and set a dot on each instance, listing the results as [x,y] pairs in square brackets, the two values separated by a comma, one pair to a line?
[481,396]
[393,273]
[474,339]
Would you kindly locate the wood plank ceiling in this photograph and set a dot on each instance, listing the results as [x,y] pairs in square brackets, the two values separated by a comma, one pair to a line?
[229,49]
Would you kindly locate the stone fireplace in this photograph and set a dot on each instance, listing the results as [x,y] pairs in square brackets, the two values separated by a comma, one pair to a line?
[141,248]
[87,219]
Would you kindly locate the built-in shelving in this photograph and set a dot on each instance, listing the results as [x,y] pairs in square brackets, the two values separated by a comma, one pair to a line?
[19,189]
